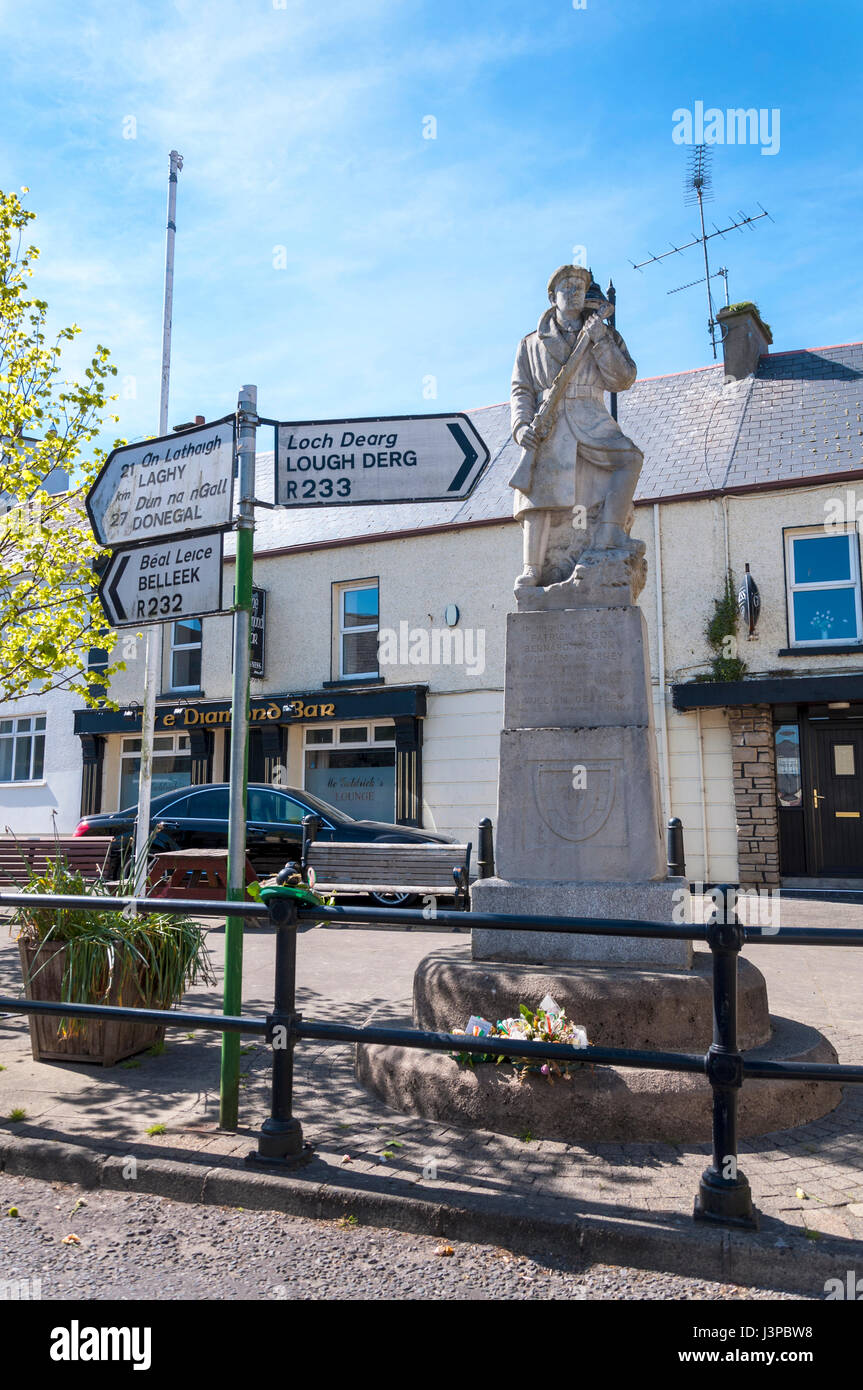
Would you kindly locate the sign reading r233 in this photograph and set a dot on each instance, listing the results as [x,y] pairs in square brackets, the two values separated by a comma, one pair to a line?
[320,487]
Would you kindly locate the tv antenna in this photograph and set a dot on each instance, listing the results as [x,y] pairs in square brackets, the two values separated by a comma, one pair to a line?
[699,189]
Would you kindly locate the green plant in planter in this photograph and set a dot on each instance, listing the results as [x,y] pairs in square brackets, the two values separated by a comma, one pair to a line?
[162,954]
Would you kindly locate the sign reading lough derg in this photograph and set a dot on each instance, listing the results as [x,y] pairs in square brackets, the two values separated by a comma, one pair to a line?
[170,486]
[397,458]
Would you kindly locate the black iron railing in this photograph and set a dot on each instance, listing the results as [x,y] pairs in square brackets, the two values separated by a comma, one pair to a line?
[724,1194]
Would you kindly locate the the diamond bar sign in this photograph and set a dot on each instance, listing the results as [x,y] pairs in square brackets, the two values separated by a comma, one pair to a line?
[175,485]
[399,458]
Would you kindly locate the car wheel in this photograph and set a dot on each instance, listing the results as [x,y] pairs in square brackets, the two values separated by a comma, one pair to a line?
[394,899]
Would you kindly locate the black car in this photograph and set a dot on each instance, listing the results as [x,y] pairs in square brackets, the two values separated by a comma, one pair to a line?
[197,818]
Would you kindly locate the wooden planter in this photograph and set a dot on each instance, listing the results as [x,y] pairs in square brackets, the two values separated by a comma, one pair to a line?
[100,1041]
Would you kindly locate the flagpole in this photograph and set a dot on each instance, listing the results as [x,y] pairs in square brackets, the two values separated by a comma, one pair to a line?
[153,635]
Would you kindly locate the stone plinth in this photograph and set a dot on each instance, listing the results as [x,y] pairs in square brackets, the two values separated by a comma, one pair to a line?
[599,1104]
[584,666]
[631,1006]
[579,824]
[578,790]
[635,1006]
[649,902]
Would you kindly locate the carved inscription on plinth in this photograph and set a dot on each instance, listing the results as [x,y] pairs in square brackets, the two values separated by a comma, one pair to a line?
[580,668]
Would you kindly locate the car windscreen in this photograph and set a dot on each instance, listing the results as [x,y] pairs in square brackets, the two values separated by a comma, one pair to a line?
[158,804]
[324,807]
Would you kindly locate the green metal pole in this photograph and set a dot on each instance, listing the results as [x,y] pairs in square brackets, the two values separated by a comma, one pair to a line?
[229,1089]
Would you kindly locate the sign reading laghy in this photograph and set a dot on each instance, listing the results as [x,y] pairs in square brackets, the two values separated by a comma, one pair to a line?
[399,458]
[175,485]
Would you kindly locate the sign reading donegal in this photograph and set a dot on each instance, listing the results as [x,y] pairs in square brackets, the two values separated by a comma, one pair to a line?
[167,487]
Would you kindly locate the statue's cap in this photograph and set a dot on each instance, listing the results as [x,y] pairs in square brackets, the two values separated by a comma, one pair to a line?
[580,271]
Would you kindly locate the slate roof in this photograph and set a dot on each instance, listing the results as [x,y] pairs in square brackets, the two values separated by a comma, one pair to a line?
[800,415]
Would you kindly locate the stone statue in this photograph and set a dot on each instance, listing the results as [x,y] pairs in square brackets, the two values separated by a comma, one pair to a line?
[576,479]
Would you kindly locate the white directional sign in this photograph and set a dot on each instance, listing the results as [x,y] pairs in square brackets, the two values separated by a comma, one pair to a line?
[165,487]
[163,582]
[402,458]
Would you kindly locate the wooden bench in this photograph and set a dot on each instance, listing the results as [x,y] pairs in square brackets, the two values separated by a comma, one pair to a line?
[18,857]
[350,867]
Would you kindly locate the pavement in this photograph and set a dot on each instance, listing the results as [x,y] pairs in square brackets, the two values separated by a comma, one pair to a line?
[618,1204]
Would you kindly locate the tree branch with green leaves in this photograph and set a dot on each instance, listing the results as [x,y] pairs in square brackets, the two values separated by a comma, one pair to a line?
[50,615]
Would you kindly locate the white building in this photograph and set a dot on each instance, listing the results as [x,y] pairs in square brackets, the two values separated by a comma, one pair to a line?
[384,636]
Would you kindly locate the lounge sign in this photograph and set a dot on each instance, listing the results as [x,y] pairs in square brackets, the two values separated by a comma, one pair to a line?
[260,712]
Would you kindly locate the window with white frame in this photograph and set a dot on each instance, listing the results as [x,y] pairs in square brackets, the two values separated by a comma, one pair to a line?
[823,578]
[172,766]
[186,654]
[357,616]
[22,748]
[353,767]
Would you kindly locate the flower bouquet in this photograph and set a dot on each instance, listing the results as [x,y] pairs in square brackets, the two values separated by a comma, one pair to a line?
[548,1023]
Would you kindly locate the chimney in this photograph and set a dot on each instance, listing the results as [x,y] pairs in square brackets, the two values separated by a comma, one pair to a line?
[745,338]
[190,424]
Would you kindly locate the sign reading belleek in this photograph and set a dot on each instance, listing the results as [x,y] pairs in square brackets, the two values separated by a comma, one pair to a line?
[160,583]
[400,458]
[170,486]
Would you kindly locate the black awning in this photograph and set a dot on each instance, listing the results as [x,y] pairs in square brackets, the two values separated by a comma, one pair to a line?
[375,702]
[768,690]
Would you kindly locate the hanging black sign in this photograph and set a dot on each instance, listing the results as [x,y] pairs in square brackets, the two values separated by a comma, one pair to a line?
[259,630]
[749,602]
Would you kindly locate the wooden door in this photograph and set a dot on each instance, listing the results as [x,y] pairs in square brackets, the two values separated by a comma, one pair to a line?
[837,799]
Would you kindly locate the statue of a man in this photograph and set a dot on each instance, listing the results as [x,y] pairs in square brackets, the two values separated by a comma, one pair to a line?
[575,454]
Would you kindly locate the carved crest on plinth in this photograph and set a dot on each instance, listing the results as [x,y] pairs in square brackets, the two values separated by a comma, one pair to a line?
[574,801]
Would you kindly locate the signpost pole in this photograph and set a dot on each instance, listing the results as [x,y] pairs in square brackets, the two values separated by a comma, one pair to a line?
[233,985]
[153,637]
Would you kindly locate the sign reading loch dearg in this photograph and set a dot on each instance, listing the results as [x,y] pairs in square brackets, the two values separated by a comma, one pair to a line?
[171,486]
[399,458]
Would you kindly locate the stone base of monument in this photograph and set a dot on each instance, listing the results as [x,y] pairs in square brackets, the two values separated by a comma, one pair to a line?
[655,1008]
[648,901]
[618,1005]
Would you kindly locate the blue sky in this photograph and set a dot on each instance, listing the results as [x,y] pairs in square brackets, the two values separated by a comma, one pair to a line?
[406,258]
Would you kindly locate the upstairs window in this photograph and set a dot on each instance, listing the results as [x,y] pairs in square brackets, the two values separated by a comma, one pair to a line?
[186,654]
[823,577]
[357,629]
[97,661]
